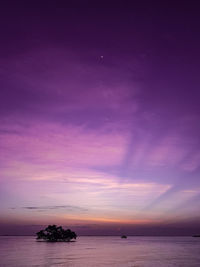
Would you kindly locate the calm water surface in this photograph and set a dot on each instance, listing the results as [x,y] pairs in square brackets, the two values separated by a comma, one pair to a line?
[102,251]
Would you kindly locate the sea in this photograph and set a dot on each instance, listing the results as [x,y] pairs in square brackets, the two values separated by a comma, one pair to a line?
[86,251]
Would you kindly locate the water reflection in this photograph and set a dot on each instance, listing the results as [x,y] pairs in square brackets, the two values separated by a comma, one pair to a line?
[101,251]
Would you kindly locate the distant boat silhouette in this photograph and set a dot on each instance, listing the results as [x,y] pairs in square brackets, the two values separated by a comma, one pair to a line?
[123,236]
[196,236]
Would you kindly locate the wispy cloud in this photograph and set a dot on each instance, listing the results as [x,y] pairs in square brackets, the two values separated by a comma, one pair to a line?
[91,136]
[65,207]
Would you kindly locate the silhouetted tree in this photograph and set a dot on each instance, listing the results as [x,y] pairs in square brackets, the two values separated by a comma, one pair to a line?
[53,233]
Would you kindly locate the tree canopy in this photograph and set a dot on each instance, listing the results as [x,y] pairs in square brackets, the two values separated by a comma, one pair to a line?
[55,233]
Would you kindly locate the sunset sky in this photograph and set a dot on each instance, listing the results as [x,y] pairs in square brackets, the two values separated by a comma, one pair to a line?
[100,117]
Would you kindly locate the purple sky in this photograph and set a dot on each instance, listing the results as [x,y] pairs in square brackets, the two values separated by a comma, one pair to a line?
[99,117]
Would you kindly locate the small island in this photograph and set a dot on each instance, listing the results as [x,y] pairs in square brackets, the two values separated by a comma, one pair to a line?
[55,233]
[123,236]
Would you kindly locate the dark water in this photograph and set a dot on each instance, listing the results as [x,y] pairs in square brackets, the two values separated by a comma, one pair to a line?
[102,251]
